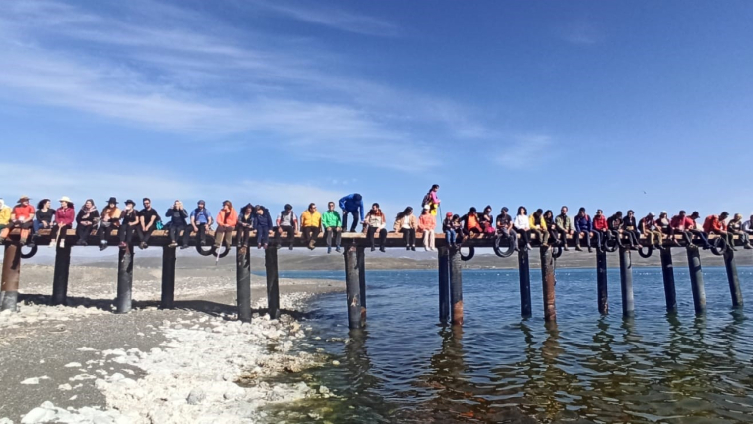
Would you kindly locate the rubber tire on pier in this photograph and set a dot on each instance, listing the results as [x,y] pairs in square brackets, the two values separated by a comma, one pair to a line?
[212,251]
[503,254]
[718,246]
[471,252]
[610,244]
[556,251]
[649,252]
[31,253]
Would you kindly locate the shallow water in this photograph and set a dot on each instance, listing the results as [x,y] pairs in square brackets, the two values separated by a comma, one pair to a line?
[655,368]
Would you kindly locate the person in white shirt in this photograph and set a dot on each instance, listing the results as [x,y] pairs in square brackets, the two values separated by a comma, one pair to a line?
[522,226]
[376,221]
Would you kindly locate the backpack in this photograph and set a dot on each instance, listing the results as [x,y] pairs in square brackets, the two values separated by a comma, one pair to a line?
[427,200]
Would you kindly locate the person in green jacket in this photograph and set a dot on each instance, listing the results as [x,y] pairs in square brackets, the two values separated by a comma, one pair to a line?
[333,225]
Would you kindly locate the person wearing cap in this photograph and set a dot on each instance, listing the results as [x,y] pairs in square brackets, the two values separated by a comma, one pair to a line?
[735,228]
[65,216]
[201,221]
[22,216]
[681,223]
[405,224]
[148,218]
[352,204]
[651,231]
[564,226]
[130,224]
[311,225]
[426,224]
[715,224]
[177,216]
[332,224]
[287,221]
[4,214]
[86,219]
[109,220]
[505,227]
[227,219]
[697,230]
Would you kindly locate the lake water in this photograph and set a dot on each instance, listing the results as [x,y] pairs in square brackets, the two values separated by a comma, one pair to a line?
[654,368]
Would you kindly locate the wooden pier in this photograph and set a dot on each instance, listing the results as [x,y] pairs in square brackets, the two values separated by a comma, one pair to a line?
[354,247]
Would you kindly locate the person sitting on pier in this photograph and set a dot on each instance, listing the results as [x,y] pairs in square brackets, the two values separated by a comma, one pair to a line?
[177,216]
[86,219]
[748,226]
[4,214]
[486,221]
[352,204]
[148,218]
[245,225]
[551,228]
[522,225]
[538,226]
[405,224]
[311,225]
[130,224]
[226,219]
[108,220]
[564,226]
[448,228]
[65,216]
[681,223]
[697,230]
[715,224]
[505,227]
[262,224]
[471,223]
[287,221]
[22,216]
[735,227]
[630,227]
[427,223]
[583,226]
[600,229]
[617,227]
[662,223]
[376,221]
[201,221]
[651,231]
[332,223]
[432,200]
[44,217]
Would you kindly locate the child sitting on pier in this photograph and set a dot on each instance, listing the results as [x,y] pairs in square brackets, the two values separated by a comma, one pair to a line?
[450,233]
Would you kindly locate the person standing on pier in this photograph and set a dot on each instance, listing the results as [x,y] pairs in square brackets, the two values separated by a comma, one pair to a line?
[564,226]
[201,221]
[405,224]
[505,227]
[148,218]
[43,218]
[630,228]
[427,223]
[227,219]
[22,216]
[65,216]
[583,226]
[177,215]
[109,219]
[375,221]
[352,204]
[287,221]
[697,230]
[432,200]
[735,227]
[130,224]
[245,225]
[522,226]
[651,231]
[311,225]
[715,224]
[332,224]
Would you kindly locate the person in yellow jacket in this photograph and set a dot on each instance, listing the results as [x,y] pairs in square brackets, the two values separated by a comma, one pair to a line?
[538,226]
[4,214]
[311,225]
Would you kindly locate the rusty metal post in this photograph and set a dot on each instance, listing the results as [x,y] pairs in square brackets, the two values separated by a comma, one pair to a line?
[11,277]
[168,278]
[733,279]
[60,278]
[243,282]
[125,281]
[273,283]
[547,283]
[668,275]
[443,255]
[456,287]
[361,255]
[524,272]
[353,289]
[626,283]
[601,282]
[696,280]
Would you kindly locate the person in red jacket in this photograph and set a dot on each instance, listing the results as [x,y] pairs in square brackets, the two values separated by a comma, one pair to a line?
[65,216]
[681,223]
[601,228]
[715,224]
[21,217]
[227,219]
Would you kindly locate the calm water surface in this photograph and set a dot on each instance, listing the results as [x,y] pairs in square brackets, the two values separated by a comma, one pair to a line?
[655,368]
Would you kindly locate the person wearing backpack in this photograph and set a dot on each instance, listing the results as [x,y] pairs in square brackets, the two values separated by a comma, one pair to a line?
[287,221]
[201,221]
[432,200]
[148,218]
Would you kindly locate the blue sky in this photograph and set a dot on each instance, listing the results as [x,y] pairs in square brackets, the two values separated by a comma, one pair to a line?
[613,105]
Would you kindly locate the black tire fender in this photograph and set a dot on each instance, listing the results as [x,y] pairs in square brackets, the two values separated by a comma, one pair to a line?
[29,254]
[556,251]
[466,258]
[718,246]
[499,252]
[203,252]
[649,251]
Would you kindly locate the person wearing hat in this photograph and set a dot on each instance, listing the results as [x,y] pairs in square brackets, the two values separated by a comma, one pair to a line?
[427,222]
[287,221]
[22,216]
[130,222]
[201,221]
[450,234]
[406,224]
[65,215]
[109,220]
[177,216]
[651,231]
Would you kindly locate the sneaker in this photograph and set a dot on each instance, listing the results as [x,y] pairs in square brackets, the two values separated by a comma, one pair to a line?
[373,248]
[407,247]
[173,244]
[337,249]
[265,246]
[381,249]
[413,248]
[290,247]
[329,250]
[185,246]
[747,246]
[102,247]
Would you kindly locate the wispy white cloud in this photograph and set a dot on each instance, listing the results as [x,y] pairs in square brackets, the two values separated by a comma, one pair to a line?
[581,33]
[529,152]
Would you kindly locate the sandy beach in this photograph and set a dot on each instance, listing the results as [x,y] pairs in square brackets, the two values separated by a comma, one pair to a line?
[84,364]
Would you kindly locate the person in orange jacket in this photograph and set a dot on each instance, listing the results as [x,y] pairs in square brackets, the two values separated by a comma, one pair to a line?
[715,224]
[227,219]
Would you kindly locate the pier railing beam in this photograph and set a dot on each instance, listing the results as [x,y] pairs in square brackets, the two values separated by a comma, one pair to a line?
[353,289]
[668,275]
[733,279]
[626,283]
[456,287]
[10,277]
[273,283]
[443,254]
[168,278]
[361,256]
[696,280]
[525,283]
[60,278]
[125,281]
[601,282]
[547,283]
[243,282]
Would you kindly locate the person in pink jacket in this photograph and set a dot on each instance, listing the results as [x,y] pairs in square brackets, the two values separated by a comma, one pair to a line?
[65,216]
[426,224]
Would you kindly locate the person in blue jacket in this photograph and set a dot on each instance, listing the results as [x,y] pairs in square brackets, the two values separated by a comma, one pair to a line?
[262,224]
[583,225]
[352,204]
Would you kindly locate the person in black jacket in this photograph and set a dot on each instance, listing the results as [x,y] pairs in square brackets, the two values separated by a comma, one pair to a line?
[177,216]
[262,223]
[245,225]
[130,224]
[630,227]
[615,224]
[87,217]
[148,218]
